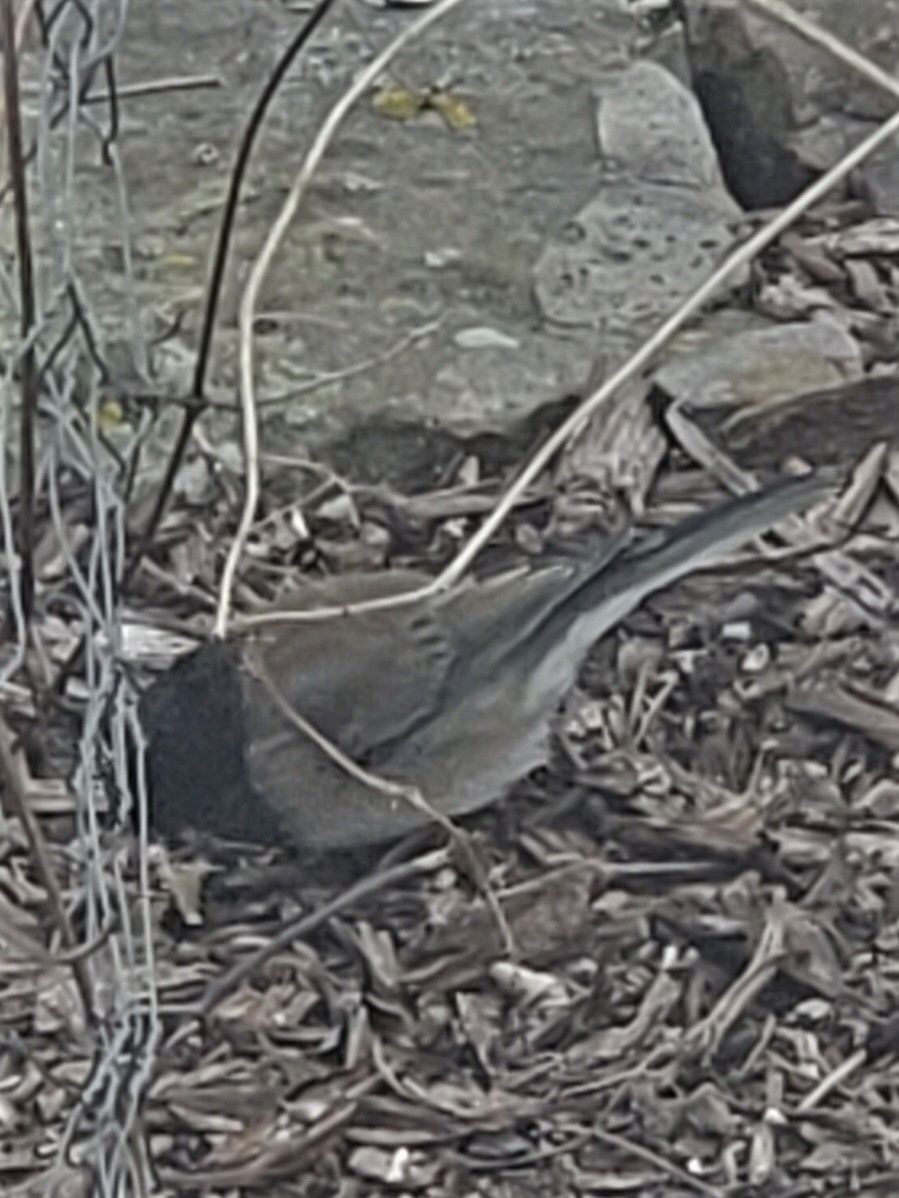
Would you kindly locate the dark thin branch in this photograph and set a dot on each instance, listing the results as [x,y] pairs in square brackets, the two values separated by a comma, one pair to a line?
[197,402]
[15,791]
[112,95]
[29,374]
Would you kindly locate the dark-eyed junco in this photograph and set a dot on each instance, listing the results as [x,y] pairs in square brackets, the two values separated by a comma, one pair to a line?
[452,695]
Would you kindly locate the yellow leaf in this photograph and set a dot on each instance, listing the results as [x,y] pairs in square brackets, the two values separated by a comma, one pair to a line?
[456,113]
[109,415]
[398,103]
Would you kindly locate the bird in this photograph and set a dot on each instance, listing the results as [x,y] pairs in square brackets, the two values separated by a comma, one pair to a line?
[449,698]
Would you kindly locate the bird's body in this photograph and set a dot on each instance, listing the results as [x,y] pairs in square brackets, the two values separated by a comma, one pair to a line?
[452,695]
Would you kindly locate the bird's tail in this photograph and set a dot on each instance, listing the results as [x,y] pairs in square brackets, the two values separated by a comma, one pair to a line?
[608,596]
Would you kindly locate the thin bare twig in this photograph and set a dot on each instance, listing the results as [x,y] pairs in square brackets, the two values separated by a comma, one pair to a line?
[329,377]
[304,926]
[639,361]
[391,790]
[813,33]
[258,273]
[644,356]
[405,791]
[152,87]
[633,1148]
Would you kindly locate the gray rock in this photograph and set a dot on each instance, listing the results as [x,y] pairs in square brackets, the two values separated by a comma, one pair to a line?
[762,366]
[632,255]
[660,222]
[652,127]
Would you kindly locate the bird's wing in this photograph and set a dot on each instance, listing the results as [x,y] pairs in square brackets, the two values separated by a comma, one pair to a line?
[363,679]
[366,680]
[491,619]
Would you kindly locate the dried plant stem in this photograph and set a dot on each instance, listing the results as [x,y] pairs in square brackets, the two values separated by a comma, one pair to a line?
[643,357]
[778,11]
[249,300]
[403,791]
[303,926]
[593,403]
